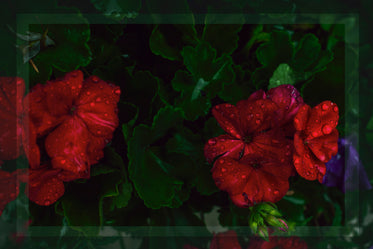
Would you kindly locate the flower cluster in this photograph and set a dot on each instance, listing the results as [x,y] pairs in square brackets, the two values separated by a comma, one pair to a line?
[269,137]
[73,118]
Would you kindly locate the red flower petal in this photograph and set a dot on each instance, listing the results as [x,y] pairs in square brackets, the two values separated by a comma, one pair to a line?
[67,146]
[260,94]
[322,120]
[301,119]
[97,106]
[44,187]
[288,100]
[305,162]
[29,143]
[9,188]
[61,93]
[38,110]
[230,175]
[255,116]
[226,240]
[228,117]
[225,145]
[324,147]
[270,144]
[252,179]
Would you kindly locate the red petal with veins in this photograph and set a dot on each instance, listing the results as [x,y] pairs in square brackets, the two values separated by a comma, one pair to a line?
[228,117]
[226,240]
[230,175]
[62,93]
[40,116]
[271,144]
[9,188]
[325,147]
[256,116]
[225,145]
[252,179]
[67,146]
[305,162]
[44,187]
[97,106]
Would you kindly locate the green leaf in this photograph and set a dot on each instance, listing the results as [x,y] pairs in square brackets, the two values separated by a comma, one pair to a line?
[306,52]
[149,173]
[206,78]
[70,52]
[369,133]
[118,9]
[167,40]
[125,194]
[282,75]
[212,33]
[278,50]
[204,182]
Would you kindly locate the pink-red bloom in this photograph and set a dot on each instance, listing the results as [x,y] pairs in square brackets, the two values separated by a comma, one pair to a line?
[255,156]
[316,139]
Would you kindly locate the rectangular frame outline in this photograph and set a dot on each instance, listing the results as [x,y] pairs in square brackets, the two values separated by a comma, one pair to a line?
[351,204]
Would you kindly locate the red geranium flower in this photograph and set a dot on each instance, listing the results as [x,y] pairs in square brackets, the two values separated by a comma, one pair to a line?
[255,155]
[83,116]
[316,139]
[78,118]
[277,242]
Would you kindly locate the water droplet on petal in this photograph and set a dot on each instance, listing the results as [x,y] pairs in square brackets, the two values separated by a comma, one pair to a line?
[308,173]
[92,104]
[222,139]
[47,202]
[325,107]
[315,133]
[335,108]
[276,192]
[98,99]
[107,102]
[223,170]
[222,147]
[95,79]
[231,115]
[296,120]
[88,93]
[257,115]
[63,161]
[275,141]
[243,176]
[317,121]
[212,141]
[117,91]
[105,114]
[221,160]
[327,129]
[229,163]
[98,132]
[257,121]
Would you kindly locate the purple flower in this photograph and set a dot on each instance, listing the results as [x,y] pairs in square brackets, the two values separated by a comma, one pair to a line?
[343,168]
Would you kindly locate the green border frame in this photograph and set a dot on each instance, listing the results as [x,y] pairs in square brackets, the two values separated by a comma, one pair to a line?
[351,121]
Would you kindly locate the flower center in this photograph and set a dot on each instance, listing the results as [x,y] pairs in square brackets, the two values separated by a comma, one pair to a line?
[248,139]
[72,110]
[256,165]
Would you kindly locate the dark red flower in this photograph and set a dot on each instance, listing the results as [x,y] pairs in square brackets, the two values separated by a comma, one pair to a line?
[255,155]
[78,119]
[83,116]
[278,242]
[316,139]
